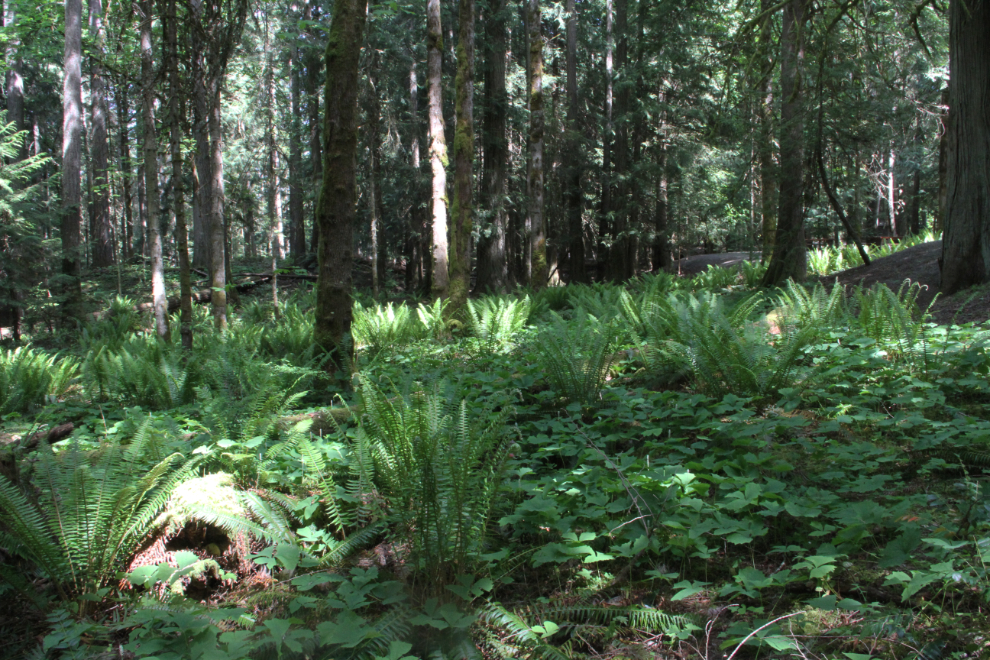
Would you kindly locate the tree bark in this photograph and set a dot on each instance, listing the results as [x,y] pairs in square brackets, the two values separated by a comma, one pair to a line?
[661,248]
[177,111]
[72,159]
[158,297]
[538,236]
[789,259]
[336,207]
[297,228]
[123,121]
[374,120]
[202,183]
[274,189]
[619,266]
[605,223]
[462,210]
[493,265]
[768,183]
[103,248]
[575,195]
[417,243]
[314,64]
[438,149]
[945,148]
[966,242]
[218,228]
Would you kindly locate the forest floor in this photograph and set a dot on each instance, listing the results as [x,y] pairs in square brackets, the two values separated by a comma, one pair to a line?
[917,264]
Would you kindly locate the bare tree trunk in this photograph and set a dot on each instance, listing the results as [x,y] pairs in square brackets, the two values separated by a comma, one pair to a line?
[177,111]
[438,148]
[297,228]
[151,176]
[336,208]
[619,266]
[72,110]
[575,195]
[123,119]
[203,178]
[768,183]
[313,66]
[274,189]
[103,249]
[789,258]
[661,247]
[493,271]
[417,244]
[966,242]
[605,223]
[462,211]
[891,198]
[538,238]
[218,229]
[945,148]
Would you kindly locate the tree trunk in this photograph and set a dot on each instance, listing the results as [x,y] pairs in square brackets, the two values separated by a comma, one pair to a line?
[605,223]
[493,265]
[177,111]
[72,110]
[336,207]
[123,120]
[789,258]
[966,242]
[661,248]
[14,84]
[575,195]
[619,266]
[945,148]
[314,64]
[274,189]
[462,210]
[892,220]
[158,297]
[217,224]
[538,236]
[103,248]
[297,228]
[417,244]
[203,178]
[438,148]
[768,184]
[374,119]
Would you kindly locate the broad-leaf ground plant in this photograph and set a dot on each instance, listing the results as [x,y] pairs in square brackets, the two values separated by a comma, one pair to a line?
[674,468]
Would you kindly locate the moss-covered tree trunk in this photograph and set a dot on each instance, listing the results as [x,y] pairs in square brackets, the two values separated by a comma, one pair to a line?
[338,194]
[789,259]
[538,231]
[462,210]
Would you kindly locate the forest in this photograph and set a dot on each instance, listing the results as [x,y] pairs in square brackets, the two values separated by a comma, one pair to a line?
[584,329]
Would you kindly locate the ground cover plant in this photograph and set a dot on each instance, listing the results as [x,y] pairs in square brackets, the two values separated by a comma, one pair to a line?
[677,467]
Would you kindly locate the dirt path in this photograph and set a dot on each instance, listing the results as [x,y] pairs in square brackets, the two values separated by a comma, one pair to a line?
[700,262]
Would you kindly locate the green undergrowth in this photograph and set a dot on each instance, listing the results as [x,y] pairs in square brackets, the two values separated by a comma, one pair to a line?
[671,468]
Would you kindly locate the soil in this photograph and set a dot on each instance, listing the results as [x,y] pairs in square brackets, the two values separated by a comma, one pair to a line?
[917,264]
[699,263]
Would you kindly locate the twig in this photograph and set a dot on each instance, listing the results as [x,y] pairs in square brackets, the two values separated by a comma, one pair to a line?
[765,625]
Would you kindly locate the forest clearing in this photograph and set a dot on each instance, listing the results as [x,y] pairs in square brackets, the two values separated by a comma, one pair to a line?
[611,329]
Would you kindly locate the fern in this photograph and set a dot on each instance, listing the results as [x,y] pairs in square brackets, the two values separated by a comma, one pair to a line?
[439,472]
[577,356]
[382,328]
[92,513]
[28,376]
[496,320]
